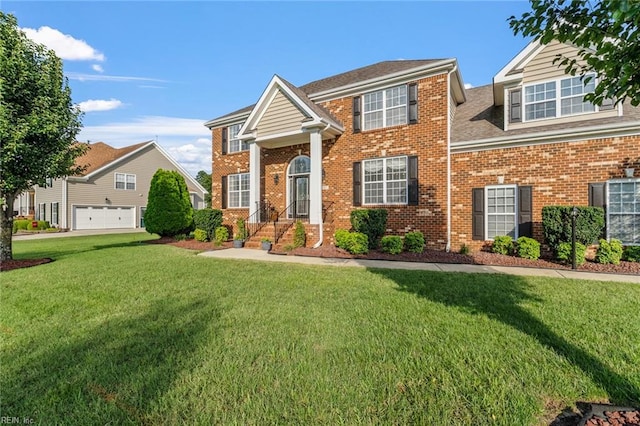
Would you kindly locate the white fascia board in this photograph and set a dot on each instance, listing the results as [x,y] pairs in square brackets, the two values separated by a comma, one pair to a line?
[519,61]
[232,119]
[386,80]
[180,169]
[566,135]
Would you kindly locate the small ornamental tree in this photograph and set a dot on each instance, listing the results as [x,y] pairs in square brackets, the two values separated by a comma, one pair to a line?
[38,122]
[169,210]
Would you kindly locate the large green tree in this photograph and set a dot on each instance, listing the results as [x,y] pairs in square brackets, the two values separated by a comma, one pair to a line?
[169,211]
[606,33]
[204,179]
[38,121]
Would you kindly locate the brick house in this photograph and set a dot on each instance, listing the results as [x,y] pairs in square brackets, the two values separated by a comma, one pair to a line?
[460,165]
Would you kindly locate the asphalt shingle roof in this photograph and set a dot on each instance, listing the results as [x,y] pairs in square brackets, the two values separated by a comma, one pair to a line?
[99,154]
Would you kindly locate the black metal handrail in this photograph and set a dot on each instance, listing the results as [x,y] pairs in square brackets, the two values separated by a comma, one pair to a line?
[287,217]
[255,222]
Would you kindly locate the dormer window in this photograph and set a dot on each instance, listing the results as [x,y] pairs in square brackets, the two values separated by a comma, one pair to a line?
[558,98]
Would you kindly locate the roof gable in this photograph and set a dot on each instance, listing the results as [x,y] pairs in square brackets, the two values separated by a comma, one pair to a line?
[282,95]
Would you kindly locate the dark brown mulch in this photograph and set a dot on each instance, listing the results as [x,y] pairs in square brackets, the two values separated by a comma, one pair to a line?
[477,258]
[597,414]
[9,265]
[191,244]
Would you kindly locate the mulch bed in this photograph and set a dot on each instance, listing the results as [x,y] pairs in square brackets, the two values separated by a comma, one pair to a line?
[8,265]
[596,414]
[477,258]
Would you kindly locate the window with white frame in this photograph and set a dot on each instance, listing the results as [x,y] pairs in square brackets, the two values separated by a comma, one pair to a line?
[125,181]
[235,144]
[542,100]
[385,108]
[385,180]
[238,190]
[48,183]
[501,208]
[54,213]
[623,222]
[42,211]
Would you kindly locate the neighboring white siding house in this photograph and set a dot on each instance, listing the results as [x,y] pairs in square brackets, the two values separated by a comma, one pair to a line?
[112,192]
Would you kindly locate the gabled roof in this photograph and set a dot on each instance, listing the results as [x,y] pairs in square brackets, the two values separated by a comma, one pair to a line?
[100,156]
[350,78]
[479,121]
[315,114]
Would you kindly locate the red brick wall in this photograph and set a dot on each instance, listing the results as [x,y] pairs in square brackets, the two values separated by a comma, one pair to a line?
[559,173]
[427,139]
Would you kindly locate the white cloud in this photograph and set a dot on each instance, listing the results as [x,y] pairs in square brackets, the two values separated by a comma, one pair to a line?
[99,105]
[98,77]
[468,85]
[182,138]
[97,68]
[147,86]
[65,46]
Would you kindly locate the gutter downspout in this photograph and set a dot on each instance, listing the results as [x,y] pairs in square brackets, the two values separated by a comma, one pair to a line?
[448,246]
[321,226]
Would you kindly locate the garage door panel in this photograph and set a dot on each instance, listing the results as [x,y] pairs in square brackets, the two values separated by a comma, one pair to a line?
[102,217]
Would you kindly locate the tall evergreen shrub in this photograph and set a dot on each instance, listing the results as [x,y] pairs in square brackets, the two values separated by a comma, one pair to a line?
[169,211]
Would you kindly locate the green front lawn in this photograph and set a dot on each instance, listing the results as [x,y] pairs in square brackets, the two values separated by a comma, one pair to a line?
[118,331]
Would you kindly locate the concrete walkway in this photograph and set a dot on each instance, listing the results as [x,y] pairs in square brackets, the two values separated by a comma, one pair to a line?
[43,235]
[260,255]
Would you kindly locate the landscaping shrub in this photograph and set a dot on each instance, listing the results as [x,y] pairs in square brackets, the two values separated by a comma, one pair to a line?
[20,225]
[222,234]
[563,253]
[528,248]
[391,244]
[414,242]
[353,242]
[464,249]
[200,235]
[42,225]
[631,254]
[208,220]
[371,222]
[299,235]
[556,224]
[169,210]
[241,231]
[502,244]
[609,252]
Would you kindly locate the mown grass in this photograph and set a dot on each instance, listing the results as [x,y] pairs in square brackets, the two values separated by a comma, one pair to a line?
[118,331]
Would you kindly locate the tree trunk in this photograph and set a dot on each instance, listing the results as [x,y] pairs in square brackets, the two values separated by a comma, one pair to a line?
[6,228]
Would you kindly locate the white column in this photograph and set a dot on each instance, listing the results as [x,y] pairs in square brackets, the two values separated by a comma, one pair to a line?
[315,179]
[254,178]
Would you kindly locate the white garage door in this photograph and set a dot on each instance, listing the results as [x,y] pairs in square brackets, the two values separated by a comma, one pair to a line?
[99,217]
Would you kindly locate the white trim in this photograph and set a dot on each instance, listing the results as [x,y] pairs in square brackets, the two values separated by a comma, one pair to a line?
[126,177]
[519,62]
[239,191]
[486,208]
[564,135]
[384,181]
[608,210]
[385,108]
[558,99]
[222,122]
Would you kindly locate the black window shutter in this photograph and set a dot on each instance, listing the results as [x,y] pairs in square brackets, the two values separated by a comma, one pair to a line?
[413,195]
[607,104]
[597,197]
[357,183]
[224,192]
[477,210]
[515,106]
[525,211]
[224,140]
[412,103]
[356,115]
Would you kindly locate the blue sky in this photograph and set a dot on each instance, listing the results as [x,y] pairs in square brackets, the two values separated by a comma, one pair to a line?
[149,69]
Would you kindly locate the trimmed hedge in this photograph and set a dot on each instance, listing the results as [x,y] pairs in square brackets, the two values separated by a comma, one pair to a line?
[200,235]
[414,242]
[556,225]
[609,252]
[528,248]
[169,211]
[631,254]
[353,242]
[208,220]
[371,222]
[563,253]
[20,225]
[502,244]
[391,244]
[222,234]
